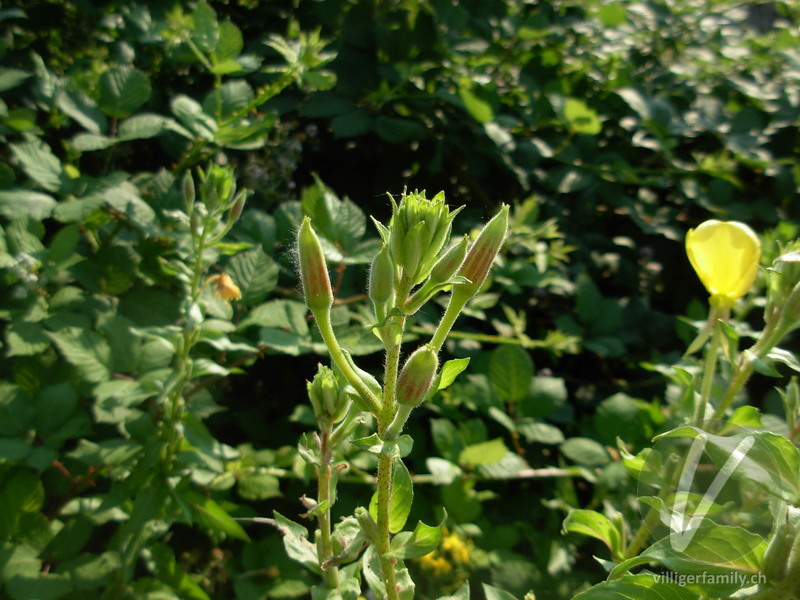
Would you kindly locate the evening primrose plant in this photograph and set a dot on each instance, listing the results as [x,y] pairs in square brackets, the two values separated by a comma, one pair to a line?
[416,261]
[719,492]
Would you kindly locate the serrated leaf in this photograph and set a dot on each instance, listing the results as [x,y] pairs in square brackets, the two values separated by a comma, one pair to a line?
[230,43]
[493,593]
[83,109]
[86,350]
[26,339]
[255,273]
[190,113]
[511,372]
[204,31]
[123,90]
[40,164]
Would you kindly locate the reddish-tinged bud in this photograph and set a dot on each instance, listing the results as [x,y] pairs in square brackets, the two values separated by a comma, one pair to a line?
[313,269]
[448,264]
[417,376]
[482,254]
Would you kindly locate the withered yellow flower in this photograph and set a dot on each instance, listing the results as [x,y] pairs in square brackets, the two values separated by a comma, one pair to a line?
[725,256]
[225,288]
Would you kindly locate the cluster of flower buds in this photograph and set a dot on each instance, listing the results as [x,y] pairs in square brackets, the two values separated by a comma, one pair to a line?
[418,231]
[329,397]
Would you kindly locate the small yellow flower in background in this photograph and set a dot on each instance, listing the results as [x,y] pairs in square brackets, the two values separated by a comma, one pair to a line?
[458,548]
[725,256]
[224,287]
[437,564]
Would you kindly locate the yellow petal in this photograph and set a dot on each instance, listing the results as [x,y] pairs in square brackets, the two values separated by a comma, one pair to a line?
[226,289]
[725,256]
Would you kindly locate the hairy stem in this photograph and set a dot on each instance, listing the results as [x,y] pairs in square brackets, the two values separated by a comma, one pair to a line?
[325,495]
[324,323]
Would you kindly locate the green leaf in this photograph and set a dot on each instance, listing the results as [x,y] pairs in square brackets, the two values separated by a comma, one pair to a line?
[612,15]
[86,350]
[450,370]
[295,541]
[484,453]
[205,32]
[230,97]
[538,432]
[493,593]
[255,273]
[596,525]
[638,587]
[26,339]
[283,325]
[148,125]
[11,78]
[423,540]
[766,458]
[581,118]
[92,571]
[230,44]
[253,485]
[511,372]
[122,91]
[190,113]
[585,451]
[213,516]
[83,109]
[40,164]
[394,448]
[480,110]
[402,497]
[712,550]
[341,222]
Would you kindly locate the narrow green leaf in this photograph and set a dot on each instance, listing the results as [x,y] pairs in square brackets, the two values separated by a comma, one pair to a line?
[638,587]
[450,370]
[213,516]
[423,540]
[402,497]
[296,543]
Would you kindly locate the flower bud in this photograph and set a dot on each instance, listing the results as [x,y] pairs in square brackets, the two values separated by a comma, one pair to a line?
[725,256]
[482,253]
[449,263]
[328,398]
[188,189]
[417,376]
[381,278]
[313,269]
[418,230]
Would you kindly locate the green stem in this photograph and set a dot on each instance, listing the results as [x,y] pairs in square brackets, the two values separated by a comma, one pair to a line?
[323,318]
[384,534]
[454,308]
[325,495]
[710,367]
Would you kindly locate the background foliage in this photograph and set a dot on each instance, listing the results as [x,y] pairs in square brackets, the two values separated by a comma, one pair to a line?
[611,128]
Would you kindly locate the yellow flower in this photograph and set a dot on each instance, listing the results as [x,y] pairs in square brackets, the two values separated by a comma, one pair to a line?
[725,256]
[458,548]
[437,564]
[225,288]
